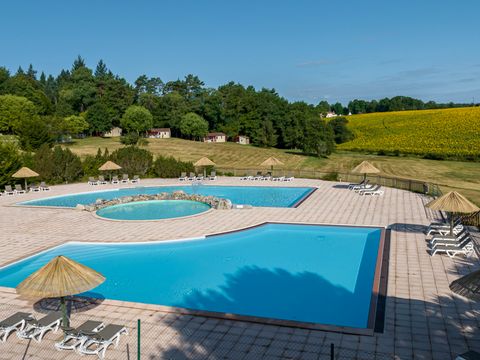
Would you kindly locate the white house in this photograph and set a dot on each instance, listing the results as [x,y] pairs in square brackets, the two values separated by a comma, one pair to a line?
[114,132]
[159,133]
[331,114]
[242,139]
[217,137]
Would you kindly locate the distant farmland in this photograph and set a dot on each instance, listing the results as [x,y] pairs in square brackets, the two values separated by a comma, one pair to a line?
[446,133]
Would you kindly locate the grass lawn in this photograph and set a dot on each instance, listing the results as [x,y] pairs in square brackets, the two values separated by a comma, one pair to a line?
[461,176]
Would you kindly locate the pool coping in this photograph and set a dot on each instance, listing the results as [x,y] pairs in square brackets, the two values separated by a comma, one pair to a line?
[379,287]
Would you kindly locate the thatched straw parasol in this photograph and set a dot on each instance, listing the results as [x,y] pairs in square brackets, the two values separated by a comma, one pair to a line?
[365,168]
[25,173]
[109,166]
[453,203]
[468,286]
[61,277]
[204,162]
[272,161]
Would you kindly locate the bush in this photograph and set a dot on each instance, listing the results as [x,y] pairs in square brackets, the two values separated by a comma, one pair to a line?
[330,177]
[33,133]
[10,162]
[130,139]
[57,165]
[169,167]
[133,160]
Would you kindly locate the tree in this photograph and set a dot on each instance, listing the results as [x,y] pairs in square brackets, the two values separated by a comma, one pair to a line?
[133,160]
[323,107]
[74,125]
[318,138]
[23,85]
[33,132]
[10,161]
[136,119]
[337,108]
[193,126]
[99,118]
[13,111]
[340,130]
[4,75]
[101,70]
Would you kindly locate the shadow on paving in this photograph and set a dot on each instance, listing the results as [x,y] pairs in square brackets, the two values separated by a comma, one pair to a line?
[408,228]
[436,329]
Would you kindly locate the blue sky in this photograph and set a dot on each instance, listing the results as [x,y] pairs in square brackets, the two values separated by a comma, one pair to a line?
[306,50]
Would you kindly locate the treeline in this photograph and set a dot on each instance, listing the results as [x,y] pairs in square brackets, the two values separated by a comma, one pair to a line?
[60,165]
[47,109]
[397,103]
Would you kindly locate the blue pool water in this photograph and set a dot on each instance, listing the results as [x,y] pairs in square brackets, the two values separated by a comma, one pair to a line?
[307,273]
[153,210]
[251,195]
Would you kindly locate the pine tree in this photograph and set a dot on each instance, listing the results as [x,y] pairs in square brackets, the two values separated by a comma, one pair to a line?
[101,70]
[31,73]
[20,71]
[78,63]
[43,79]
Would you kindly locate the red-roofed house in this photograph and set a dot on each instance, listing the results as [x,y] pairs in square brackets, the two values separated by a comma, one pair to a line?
[159,133]
[215,137]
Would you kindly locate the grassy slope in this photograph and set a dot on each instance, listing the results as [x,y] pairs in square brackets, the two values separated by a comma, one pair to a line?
[464,176]
[449,132]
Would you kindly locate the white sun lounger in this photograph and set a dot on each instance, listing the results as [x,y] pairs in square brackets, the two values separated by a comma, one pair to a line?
[360,184]
[36,329]
[125,179]
[441,226]
[192,177]
[92,181]
[449,240]
[376,190]
[97,344]
[183,176]
[213,176]
[75,337]
[16,322]
[19,189]
[247,177]
[44,187]
[115,179]
[363,187]
[465,247]
[101,180]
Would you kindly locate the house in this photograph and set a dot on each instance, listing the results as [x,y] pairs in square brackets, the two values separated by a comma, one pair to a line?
[114,132]
[242,139]
[159,133]
[215,137]
[331,114]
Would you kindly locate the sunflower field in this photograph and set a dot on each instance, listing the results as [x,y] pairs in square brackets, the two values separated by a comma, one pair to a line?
[436,134]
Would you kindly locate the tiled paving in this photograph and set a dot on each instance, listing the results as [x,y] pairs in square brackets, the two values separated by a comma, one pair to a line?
[424,320]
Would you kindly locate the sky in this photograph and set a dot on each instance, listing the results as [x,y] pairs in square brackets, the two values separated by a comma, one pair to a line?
[310,50]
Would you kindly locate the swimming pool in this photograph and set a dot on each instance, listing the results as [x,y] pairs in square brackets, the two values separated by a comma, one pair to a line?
[153,210]
[242,195]
[289,272]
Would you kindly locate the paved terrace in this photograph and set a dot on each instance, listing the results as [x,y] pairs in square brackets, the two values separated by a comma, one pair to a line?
[424,319]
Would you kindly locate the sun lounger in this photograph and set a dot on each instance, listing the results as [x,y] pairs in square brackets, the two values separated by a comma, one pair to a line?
[97,344]
[356,185]
[183,176]
[33,188]
[135,180]
[445,231]
[75,337]
[259,176]
[364,187]
[247,177]
[278,178]
[267,176]
[115,179]
[92,181]
[199,177]
[19,189]
[213,175]
[191,177]
[436,226]
[16,322]
[125,179]
[289,177]
[9,190]
[36,329]
[376,190]
[101,180]
[44,187]
[465,247]
[449,240]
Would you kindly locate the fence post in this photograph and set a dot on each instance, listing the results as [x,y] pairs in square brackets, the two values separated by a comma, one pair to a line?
[138,339]
[332,351]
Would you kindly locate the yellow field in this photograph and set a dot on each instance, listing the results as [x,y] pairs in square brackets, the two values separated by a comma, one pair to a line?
[451,133]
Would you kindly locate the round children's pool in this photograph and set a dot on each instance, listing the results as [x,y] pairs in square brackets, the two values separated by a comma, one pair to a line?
[153,210]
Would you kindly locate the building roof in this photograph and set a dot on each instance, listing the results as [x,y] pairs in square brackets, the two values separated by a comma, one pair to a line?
[216,134]
[159,130]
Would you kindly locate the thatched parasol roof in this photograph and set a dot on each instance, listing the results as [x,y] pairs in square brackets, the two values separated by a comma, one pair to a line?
[204,161]
[453,202]
[468,286]
[272,161]
[25,172]
[59,278]
[109,166]
[365,168]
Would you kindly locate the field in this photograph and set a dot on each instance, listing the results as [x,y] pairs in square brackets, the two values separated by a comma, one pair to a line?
[445,133]
[461,176]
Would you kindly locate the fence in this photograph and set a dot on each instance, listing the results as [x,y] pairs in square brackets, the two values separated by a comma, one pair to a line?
[389,181]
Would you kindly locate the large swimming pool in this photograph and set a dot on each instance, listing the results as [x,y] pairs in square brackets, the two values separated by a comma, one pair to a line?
[241,195]
[306,273]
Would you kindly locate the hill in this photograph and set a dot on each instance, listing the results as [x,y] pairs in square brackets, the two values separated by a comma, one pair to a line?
[437,134]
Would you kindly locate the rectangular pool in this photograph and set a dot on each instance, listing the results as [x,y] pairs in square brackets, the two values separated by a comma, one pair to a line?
[312,275]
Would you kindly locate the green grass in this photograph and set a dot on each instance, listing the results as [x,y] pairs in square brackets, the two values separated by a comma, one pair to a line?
[461,176]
